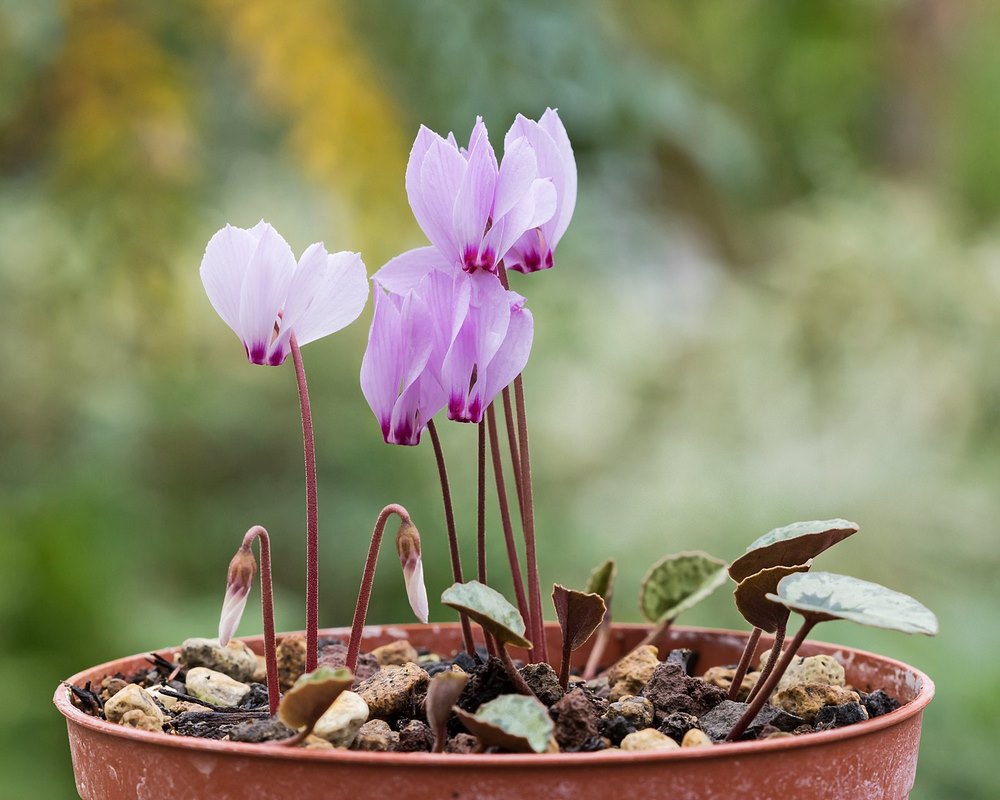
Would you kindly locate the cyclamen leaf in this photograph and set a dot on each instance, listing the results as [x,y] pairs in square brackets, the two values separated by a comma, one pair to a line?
[678,582]
[490,609]
[442,693]
[790,545]
[313,693]
[752,602]
[511,722]
[602,580]
[579,614]
[825,595]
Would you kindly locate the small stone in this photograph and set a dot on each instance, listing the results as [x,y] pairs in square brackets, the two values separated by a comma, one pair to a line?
[718,722]
[723,678]
[395,653]
[648,739]
[813,669]
[291,657]
[462,743]
[260,730]
[631,673]
[376,735]
[598,687]
[183,706]
[879,703]
[133,697]
[637,711]
[806,699]
[111,686]
[683,658]
[141,721]
[260,671]
[236,660]
[390,691]
[165,700]
[695,738]
[543,681]
[415,737]
[428,658]
[335,655]
[256,698]
[839,716]
[778,735]
[341,722]
[671,690]
[314,742]
[615,729]
[575,720]
[216,688]
[677,725]
[465,661]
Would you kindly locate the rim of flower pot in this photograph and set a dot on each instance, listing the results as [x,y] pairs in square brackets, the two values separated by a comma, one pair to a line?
[924,694]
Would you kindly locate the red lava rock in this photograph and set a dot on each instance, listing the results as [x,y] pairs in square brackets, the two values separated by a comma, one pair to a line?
[415,737]
[543,681]
[670,690]
[462,743]
[335,655]
[576,720]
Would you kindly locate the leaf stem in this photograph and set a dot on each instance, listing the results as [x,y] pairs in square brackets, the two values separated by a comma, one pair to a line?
[312,511]
[267,611]
[764,689]
[741,668]
[511,670]
[365,592]
[449,518]
[779,640]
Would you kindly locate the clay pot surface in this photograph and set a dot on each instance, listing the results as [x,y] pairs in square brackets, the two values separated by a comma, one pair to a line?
[876,759]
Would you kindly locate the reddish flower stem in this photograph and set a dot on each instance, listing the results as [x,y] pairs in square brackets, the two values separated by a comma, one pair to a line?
[267,611]
[741,668]
[365,592]
[508,531]
[515,460]
[764,691]
[481,504]
[449,518]
[312,511]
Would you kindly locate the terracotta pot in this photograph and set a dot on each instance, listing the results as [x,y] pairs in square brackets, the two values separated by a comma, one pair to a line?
[874,759]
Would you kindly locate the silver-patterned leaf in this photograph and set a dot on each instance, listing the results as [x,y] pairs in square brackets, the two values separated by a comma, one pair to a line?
[679,581]
[826,595]
[790,545]
[511,722]
[490,609]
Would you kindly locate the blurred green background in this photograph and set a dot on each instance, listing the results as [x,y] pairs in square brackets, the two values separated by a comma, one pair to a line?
[779,300]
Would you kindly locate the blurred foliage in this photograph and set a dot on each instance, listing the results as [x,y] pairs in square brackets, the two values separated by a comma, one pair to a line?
[780,299]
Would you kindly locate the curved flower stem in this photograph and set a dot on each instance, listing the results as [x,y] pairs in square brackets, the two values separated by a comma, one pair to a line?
[312,511]
[508,531]
[267,611]
[741,668]
[365,592]
[449,518]
[764,689]
[772,659]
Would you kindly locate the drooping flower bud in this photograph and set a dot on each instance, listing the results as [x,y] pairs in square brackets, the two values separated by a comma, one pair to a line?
[408,547]
[242,570]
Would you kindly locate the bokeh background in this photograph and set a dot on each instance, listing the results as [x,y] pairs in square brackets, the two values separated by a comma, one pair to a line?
[779,300]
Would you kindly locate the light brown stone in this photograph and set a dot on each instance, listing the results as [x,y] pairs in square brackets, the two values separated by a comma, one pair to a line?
[389,691]
[629,675]
[648,739]
[806,699]
[396,653]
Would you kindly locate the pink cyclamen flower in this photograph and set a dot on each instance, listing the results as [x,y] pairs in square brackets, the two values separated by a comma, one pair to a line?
[472,209]
[401,391]
[254,283]
[554,154]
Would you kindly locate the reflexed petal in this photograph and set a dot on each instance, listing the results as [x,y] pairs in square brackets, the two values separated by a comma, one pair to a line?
[492,315]
[456,371]
[327,294]
[263,295]
[447,296]
[474,201]
[441,176]
[517,171]
[381,366]
[552,125]
[512,357]
[405,271]
[223,268]
[232,611]
[534,209]
[416,592]
[414,193]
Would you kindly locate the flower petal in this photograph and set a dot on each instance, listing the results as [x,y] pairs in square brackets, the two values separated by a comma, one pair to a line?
[233,606]
[263,293]
[381,366]
[552,125]
[517,171]
[474,201]
[441,174]
[223,268]
[534,209]
[405,271]
[512,357]
[416,592]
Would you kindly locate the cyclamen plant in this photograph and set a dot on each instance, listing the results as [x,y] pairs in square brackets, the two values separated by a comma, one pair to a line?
[449,335]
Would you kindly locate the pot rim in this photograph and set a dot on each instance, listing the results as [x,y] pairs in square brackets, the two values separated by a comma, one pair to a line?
[914,707]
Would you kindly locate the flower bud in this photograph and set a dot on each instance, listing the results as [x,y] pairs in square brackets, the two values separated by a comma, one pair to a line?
[242,569]
[408,547]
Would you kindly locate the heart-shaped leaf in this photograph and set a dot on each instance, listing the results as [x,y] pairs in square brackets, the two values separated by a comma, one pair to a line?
[790,545]
[490,609]
[602,580]
[579,614]
[312,694]
[822,596]
[511,722]
[442,693]
[752,602]
[677,582]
